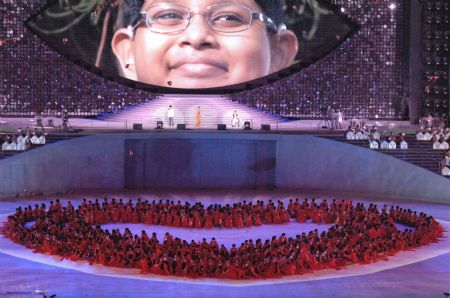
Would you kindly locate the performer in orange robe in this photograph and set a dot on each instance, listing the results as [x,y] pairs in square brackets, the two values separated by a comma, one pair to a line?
[237,220]
[198,221]
[228,221]
[301,216]
[257,220]
[247,219]
[198,118]
[276,219]
[217,219]
[208,221]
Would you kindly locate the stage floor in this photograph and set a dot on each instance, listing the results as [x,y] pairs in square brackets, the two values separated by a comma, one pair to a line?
[420,273]
[95,126]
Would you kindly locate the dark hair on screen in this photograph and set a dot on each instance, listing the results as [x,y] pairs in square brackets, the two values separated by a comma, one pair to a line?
[129,10]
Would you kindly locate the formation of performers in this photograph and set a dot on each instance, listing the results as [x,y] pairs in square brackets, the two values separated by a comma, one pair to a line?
[359,235]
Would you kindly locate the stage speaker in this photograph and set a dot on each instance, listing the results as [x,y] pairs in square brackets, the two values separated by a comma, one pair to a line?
[159,124]
[265,126]
[181,126]
[247,125]
[137,126]
[221,127]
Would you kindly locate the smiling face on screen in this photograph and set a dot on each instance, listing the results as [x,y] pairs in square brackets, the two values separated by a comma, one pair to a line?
[199,56]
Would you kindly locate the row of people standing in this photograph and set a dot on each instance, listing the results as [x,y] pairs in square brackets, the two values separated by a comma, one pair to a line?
[235,120]
[23,139]
[388,143]
[171,115]
[335,117]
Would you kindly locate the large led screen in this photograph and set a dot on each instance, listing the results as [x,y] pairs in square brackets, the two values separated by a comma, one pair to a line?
[192,44]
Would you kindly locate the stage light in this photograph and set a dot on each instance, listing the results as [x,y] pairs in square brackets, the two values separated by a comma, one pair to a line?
[265,126]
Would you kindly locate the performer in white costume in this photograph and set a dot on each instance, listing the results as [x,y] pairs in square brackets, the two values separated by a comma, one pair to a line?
[403,144]
[34,139]
[235,119]
[350,135]
[170,115]
[445,164]
[373,144]
[42,139]
[384,144]
[420,134]
[5,145]
[392,144]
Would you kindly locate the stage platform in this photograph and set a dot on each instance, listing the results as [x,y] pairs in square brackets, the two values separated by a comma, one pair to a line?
[87,125]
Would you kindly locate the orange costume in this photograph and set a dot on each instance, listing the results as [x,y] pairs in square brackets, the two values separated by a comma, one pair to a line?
[198,118]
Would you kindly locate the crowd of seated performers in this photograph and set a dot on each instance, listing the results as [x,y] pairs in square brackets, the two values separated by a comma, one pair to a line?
[376,139]
[23,139]
[444,164]
[359,235]
[169,213]
[358,133]
[431,121]
[439,137]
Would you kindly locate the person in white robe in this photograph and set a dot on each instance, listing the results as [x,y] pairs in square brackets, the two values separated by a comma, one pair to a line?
[42,139]
[34,139]
[365,133]
[350,135]
[376,134]
[427,135]
[436,145]
[359,135]
[235,119]
[171,115]
[12,146]
[5,145]
[445,164]
[384,144]
[444,144]
[19,140]
[403,144]
[26,141]
[340,119]
[19,145]
[392,144]
[373,144]
[420,134]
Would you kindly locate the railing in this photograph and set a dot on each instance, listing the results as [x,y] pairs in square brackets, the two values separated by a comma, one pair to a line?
[315,124]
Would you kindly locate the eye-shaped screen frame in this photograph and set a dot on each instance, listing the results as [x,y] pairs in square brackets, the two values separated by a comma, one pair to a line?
[319,25]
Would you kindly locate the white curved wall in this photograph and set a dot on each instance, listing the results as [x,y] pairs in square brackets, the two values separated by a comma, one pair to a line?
[302,162]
